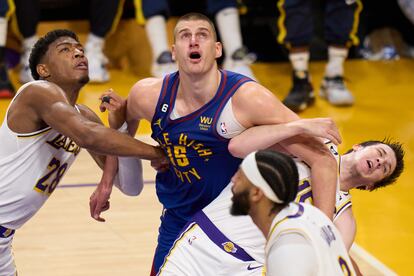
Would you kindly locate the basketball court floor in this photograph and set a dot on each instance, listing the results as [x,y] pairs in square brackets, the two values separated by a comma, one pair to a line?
[62,239]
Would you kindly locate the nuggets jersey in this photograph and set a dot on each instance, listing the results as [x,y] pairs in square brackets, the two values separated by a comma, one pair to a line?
[201,165]
[31,166]
[319,231]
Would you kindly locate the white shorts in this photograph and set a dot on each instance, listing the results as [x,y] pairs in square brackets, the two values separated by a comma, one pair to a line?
[7,267]
[203,250]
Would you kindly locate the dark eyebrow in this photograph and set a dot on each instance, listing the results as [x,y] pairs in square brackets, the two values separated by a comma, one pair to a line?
[68,43]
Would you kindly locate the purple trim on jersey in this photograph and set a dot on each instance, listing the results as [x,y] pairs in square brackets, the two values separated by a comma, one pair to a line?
[299,212]
[303,186]
[219,238]
[164,86]
[196,113]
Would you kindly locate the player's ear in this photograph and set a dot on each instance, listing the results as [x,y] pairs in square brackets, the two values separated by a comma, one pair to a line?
[256,194]
[43,71]
[219,49]
[173,52]
[356,147]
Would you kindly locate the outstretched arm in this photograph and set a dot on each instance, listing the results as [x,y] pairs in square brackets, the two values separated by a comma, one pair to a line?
[254,105]
[51,105]
[266,136]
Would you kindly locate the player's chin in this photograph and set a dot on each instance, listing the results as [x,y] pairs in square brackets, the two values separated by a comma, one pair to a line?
[83,79]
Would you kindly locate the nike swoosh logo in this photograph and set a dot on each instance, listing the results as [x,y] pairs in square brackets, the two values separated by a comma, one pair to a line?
[250,267]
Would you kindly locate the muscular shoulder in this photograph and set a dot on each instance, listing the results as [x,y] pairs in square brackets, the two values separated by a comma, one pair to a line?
[143,98]
[253,104]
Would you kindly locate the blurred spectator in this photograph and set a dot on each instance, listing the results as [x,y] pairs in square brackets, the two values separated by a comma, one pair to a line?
[227,19]
[104,15]
[296,30]
[6,87]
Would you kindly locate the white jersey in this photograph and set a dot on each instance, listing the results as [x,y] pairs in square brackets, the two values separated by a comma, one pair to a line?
[31,166]
[331,256]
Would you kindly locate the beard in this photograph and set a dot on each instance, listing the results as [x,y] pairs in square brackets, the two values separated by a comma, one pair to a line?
[241,204]
[84,80]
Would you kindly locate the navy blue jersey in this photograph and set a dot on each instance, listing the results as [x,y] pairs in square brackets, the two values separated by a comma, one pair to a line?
[200,163]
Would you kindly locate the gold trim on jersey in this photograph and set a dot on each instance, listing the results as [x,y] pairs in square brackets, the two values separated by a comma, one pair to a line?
[117,18]
[11,10]
[281,22]
[179,240]
[139,13]
[353,34]
[34,134]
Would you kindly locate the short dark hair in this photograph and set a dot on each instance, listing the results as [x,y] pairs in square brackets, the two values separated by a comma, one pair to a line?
[42,45]
[398,150]
[281,173]
[193,16]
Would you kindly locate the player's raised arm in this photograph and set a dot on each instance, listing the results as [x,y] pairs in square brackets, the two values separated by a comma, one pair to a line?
[52,106]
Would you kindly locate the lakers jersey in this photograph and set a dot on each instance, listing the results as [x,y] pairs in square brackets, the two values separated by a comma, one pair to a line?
[343,199]
[319,231]
[31,166]
[200,163]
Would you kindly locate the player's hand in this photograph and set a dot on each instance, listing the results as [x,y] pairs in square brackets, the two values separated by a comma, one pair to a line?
[116,106]
[319,127]
[99,201]
[160,164]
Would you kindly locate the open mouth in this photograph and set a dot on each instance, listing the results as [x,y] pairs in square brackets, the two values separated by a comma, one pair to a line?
[82,65]
[369,164]
[195,55]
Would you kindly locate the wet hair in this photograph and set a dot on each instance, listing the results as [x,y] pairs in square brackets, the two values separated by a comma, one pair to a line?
[398,150]
[42,45]
[281,173]
[193,16]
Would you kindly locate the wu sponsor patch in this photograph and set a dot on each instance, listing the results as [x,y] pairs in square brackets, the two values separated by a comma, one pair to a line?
[205,122]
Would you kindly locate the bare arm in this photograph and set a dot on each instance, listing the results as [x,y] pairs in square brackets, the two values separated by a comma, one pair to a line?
[346,225]
[52,107]
[266,136]
[324,170]
[254,105]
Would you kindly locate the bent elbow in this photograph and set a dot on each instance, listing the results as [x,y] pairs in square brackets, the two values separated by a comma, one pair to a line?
[235,149]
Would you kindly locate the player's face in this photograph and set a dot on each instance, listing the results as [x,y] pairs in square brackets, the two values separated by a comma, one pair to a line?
[66,62]
[374,162]
[241,191]
[195,48]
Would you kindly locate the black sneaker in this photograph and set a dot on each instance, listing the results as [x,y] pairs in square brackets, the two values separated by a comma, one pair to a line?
[6,87]
[301,94]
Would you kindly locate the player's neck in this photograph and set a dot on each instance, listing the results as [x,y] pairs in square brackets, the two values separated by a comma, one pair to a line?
[199,88]
[71,91]
[263,218]
[347,177]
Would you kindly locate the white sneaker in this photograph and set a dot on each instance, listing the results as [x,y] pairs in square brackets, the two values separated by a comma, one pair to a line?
[240,61]
[97,62]
[164,65]
[25,74]
[335,92]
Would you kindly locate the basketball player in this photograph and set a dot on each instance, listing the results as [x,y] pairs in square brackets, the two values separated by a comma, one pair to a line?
[43,132]
[301,240]
[194,112]
[369,165]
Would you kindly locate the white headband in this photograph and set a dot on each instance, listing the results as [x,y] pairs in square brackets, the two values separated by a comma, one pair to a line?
[250,169]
